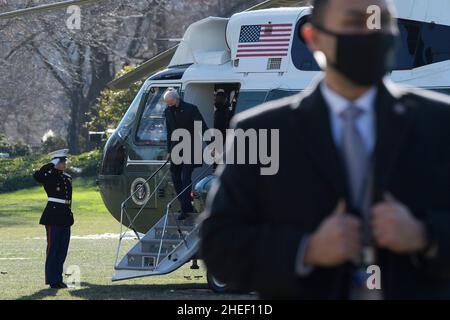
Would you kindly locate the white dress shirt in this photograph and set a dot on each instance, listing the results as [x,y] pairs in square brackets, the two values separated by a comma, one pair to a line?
[366,127]
[365,123]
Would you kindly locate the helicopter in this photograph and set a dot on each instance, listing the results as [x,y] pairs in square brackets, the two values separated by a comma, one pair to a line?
[216,54]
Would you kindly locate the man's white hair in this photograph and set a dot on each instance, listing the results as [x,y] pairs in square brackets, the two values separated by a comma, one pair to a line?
[171,93]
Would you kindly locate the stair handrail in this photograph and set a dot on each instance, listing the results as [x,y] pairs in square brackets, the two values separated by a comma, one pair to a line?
[146,181]
[123,207]
[145,203]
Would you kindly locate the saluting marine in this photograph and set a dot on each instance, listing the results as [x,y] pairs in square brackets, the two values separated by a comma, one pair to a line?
[57,216]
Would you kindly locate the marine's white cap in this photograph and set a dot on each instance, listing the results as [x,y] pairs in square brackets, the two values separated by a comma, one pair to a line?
[63,153]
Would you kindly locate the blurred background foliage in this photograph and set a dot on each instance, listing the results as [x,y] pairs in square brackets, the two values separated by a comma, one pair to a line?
[17,173]
[112,105]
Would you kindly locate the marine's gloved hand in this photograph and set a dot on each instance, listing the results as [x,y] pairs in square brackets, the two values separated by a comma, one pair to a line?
[55,161]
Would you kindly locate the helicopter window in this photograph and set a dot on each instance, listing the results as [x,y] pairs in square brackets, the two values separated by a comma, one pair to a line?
[444,91]
[409,40]
[421,44]
[301,56]
[127,122]
[436,44]
[249,99]
[114,157]
[152,126]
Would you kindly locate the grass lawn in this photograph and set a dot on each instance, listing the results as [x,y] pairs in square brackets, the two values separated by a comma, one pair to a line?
[22,254]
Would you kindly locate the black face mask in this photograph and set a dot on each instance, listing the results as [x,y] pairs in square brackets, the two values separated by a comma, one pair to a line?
[364,58]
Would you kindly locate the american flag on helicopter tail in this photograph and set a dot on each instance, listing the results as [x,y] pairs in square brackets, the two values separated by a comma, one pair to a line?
[264,40]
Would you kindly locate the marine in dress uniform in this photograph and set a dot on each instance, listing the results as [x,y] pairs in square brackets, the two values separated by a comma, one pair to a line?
[57,216]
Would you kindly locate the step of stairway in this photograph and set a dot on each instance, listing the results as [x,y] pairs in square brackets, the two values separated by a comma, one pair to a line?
[144,255]
[182,228]
[135,268]
[143,260]
[189,221]
[153,245]
[172,232]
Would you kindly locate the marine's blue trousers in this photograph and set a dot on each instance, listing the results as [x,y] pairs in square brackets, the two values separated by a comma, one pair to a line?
[58,239]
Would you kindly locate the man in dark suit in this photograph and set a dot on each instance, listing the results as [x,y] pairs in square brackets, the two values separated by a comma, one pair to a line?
[222,113]
[222,117]
[363,180]
[57,216]
[182,115]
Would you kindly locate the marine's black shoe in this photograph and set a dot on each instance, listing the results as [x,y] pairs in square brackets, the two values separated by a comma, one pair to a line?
[55,286]
[62,285]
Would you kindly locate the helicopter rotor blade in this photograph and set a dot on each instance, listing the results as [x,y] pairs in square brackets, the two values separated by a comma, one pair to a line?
[159,62]
[170,39]
[45,8]
[275,4]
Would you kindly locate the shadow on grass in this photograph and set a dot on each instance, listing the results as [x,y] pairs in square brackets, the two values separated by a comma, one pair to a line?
[19,214]
[8,220]
[186,291]
[41,294]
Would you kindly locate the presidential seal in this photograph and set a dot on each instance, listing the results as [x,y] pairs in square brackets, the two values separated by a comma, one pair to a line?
[141,191]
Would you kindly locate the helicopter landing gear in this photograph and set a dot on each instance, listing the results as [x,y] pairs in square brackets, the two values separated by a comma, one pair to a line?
[194,265]
[216,285]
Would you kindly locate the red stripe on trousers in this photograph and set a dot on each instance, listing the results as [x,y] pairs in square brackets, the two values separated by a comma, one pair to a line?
[49,238]
[49,244]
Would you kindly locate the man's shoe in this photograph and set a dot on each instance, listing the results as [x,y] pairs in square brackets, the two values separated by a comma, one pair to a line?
[55,286]
[62,285]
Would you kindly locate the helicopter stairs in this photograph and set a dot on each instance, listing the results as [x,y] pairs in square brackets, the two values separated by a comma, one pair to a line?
[168,245]
[165,247]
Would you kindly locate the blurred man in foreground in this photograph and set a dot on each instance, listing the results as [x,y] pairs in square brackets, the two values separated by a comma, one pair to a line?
[57,216]
[363,185]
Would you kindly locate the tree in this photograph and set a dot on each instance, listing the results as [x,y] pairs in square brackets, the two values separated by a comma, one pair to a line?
[77,64]
[52,142]
[112,105]
[21,149]
[5,146]
[52,75]
[18,149]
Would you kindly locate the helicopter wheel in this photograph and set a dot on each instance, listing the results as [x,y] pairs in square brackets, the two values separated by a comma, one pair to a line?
[216,285]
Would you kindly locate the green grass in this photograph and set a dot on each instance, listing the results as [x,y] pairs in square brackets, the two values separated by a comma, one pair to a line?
[22,254]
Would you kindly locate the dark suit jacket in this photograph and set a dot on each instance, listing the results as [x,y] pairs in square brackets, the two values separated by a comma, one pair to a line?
[184,118]
[222,118]
[57,184]
[254,223]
